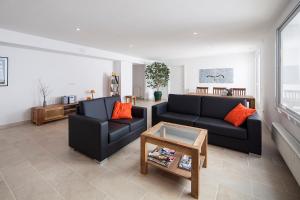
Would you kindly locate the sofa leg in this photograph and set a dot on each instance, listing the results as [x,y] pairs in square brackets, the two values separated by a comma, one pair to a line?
[102,163]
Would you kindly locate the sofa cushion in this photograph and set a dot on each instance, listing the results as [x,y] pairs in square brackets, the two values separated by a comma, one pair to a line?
[117,131]
[94,108]
[134,123]
[109,104]
[122,111]
[218,107]
[221,127]
[238,115]
[185,104]
[178,118]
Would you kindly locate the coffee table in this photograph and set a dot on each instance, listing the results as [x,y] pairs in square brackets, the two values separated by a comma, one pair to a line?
[185,140]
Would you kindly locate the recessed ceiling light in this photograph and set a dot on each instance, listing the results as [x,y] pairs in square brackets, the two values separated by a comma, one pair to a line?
[195,33]
[77,29]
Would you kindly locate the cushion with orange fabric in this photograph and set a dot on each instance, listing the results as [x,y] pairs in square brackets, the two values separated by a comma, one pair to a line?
[238,115]
[122,111]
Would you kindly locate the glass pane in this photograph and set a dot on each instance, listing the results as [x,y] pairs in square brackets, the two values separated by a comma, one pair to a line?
[290,65]
[185,135]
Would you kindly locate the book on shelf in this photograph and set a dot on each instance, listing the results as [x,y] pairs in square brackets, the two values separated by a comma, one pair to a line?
[185,162]
[162,156]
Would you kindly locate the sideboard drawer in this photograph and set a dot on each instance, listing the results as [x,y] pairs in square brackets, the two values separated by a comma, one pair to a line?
[54,113]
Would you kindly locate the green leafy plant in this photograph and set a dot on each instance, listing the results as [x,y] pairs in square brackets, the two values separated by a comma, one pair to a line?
[157,75]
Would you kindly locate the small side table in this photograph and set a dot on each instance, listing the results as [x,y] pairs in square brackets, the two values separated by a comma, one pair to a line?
[131,99]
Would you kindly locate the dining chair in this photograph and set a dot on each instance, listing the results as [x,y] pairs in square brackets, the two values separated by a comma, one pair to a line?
[218,90]
[202,90]
[239,91]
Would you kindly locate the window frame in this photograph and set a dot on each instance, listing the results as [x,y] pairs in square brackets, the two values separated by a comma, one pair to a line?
[281,108]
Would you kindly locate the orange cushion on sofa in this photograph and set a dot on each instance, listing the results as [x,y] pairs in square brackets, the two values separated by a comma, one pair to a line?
[122,111]
[239,114]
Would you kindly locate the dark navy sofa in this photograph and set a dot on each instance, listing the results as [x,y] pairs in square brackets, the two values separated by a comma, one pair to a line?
[208,113]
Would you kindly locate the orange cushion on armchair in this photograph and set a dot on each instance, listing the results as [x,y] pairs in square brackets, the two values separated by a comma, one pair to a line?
[239,114]
[122,111]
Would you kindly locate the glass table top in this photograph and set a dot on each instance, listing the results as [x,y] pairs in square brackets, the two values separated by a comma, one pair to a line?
[178,133]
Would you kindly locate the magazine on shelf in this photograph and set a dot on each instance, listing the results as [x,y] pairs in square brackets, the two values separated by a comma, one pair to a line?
[185,162]
[162,156]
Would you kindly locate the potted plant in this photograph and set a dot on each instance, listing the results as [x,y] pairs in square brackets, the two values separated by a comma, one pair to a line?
[157,76]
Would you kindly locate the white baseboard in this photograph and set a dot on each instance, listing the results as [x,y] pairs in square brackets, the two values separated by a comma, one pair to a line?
[10,125]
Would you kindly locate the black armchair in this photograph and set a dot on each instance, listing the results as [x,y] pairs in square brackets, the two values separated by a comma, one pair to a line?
[157,110]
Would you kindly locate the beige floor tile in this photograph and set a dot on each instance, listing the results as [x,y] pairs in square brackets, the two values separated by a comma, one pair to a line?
[119,163]
[39,157]
[267,192]
[72,187]
[151,196]
[118,187]
[10,156]
[5,193]
[159,182]
[55,172]
[29,147]
[226,193]
[42,160]
[37,190]
[20,175]
[291,186]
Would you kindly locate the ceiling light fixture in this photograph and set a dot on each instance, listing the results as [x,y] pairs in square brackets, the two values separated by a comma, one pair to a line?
[77,29]
[195,33]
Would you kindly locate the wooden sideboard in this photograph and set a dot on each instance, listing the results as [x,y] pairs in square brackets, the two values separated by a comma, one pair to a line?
[41,115]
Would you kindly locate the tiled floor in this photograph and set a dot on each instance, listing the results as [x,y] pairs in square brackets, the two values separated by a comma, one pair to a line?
[36,163]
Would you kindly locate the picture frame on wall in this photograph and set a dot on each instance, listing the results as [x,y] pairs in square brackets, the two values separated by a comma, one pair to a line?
[3,71]
[216,75]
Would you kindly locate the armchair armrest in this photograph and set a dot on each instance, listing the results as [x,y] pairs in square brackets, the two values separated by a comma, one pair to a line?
[254,133]
[89,136]
[157,110]
[140,112]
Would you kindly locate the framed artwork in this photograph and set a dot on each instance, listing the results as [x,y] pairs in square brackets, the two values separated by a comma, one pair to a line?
[216,75]
[3,71]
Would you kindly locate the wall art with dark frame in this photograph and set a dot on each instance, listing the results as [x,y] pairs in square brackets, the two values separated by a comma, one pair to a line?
[3,71]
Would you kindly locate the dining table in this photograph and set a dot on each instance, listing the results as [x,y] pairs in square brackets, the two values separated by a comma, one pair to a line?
[250,99]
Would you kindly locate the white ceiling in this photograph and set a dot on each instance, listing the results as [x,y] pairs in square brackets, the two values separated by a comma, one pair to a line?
[155,29]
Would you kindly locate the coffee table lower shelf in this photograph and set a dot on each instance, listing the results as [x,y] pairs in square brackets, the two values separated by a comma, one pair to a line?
[174,169]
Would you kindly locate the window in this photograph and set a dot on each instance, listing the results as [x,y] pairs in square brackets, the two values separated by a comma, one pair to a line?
[288,62]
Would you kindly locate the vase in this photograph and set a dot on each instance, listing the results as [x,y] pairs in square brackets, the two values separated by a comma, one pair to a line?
[157,95]
[44,103]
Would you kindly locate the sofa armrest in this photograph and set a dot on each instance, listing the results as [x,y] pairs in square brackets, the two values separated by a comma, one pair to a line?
[89,136]
[254,133]
[157,110]
[139,112]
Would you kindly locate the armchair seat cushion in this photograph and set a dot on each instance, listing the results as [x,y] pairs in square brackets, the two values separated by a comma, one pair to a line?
[178,118]
[117,131]
[134,123]
[221,127]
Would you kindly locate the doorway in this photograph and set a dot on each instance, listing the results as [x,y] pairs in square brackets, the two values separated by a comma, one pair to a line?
[176,80]
[138,80]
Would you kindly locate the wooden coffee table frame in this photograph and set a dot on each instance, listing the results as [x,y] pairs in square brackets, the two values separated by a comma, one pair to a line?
[198,151]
